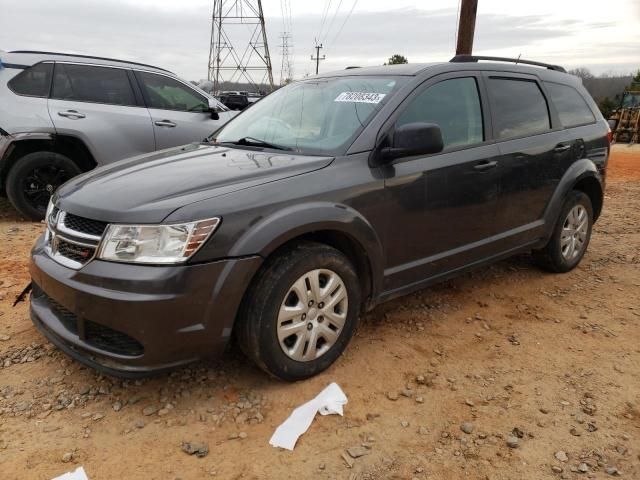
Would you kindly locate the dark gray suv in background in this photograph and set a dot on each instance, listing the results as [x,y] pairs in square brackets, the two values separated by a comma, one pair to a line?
[329,196]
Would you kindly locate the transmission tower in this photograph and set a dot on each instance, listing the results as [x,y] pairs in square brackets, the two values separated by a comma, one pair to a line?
[231,57]
[286,69]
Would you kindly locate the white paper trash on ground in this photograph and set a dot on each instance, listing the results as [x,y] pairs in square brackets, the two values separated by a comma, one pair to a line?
[329,401]
[77,474]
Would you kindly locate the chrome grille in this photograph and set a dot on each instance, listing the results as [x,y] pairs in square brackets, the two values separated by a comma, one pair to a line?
[72,240]
[74,252]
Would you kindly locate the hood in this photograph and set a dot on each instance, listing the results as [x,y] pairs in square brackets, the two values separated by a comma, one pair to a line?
[147,188]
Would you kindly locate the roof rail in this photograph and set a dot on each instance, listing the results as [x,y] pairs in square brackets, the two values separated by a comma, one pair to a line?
[475,58]
[90,56]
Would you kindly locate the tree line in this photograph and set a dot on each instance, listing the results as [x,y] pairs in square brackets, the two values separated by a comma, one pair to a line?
[606,89]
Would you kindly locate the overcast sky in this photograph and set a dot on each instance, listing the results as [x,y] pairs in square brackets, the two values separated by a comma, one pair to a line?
[603,36]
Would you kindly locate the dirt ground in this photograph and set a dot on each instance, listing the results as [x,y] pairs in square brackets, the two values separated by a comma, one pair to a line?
[548,364]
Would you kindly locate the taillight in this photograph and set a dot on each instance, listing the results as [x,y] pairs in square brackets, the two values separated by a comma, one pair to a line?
[609,135]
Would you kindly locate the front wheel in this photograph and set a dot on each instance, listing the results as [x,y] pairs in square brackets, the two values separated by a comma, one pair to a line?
[300,312]
[34,178]
[570,237]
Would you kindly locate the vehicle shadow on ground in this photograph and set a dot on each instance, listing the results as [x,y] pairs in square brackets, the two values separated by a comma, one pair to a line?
[10,214]
[452,293]
[233,363]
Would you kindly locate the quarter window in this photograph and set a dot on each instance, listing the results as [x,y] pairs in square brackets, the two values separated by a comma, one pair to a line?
[34,81]
[168,94]
[572,108]
[453,105]
[83,83]
[518,108]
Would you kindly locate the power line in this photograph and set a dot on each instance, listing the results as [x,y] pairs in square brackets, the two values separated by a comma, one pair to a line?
[333,19]
[344,23]
[285,8]
[324,17]
[289,30]
[284,24]
[289,11]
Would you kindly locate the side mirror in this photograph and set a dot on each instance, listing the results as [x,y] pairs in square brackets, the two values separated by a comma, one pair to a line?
[414,139]
[213,108]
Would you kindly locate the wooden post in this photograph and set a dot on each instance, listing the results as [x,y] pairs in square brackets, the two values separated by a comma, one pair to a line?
[466,27]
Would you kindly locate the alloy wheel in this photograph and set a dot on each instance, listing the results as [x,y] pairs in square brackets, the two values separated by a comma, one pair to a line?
[41,183]
[574,232]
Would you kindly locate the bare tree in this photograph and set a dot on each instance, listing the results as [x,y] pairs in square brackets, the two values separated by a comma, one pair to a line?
[581,72]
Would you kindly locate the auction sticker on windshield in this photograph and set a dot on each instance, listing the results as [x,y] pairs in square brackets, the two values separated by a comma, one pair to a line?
[360,97]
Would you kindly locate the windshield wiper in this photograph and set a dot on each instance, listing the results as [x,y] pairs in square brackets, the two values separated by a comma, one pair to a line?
[252,141]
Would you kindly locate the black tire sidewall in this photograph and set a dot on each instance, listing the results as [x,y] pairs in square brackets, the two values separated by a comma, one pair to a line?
[560,263]
[23,167]
[287,270]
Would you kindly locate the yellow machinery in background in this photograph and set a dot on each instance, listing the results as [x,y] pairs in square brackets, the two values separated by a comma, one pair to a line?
[625,120]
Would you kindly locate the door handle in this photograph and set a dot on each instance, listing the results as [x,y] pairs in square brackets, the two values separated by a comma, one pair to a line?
[485,165]
[165,123]
[562,148]
[72,114]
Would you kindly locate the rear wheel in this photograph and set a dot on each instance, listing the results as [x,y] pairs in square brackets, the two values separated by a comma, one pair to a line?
[301,311]
[34,178]
[570,237]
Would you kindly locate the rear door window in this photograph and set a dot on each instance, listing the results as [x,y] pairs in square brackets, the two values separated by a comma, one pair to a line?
[518,108]
[453,105]
[34,81]
[571,106]
[84,83]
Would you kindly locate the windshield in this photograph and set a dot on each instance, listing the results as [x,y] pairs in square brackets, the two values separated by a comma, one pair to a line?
[321,116]
[631,99]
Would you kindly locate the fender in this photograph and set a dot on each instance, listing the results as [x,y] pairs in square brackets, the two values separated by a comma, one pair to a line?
[9,141]
[275,230]
[581,169]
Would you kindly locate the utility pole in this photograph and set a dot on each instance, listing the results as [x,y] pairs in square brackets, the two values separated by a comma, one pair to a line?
[317,58]
[466,27]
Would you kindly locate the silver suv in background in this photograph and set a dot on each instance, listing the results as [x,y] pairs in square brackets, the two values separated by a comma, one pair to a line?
[61,115]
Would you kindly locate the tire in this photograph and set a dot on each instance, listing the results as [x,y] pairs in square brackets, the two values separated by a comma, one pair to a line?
[263,337]
[33,179]
[557,258]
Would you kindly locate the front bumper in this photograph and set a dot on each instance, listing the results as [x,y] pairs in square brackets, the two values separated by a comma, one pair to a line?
[132,320]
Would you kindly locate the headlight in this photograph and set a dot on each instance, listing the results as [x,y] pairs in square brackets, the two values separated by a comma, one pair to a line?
[50,207]
[155,243]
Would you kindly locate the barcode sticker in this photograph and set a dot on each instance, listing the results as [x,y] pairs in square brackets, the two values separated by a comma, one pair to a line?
[360,97]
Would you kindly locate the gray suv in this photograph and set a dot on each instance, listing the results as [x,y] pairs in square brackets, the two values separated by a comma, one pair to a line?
[61,115]
[329,196]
